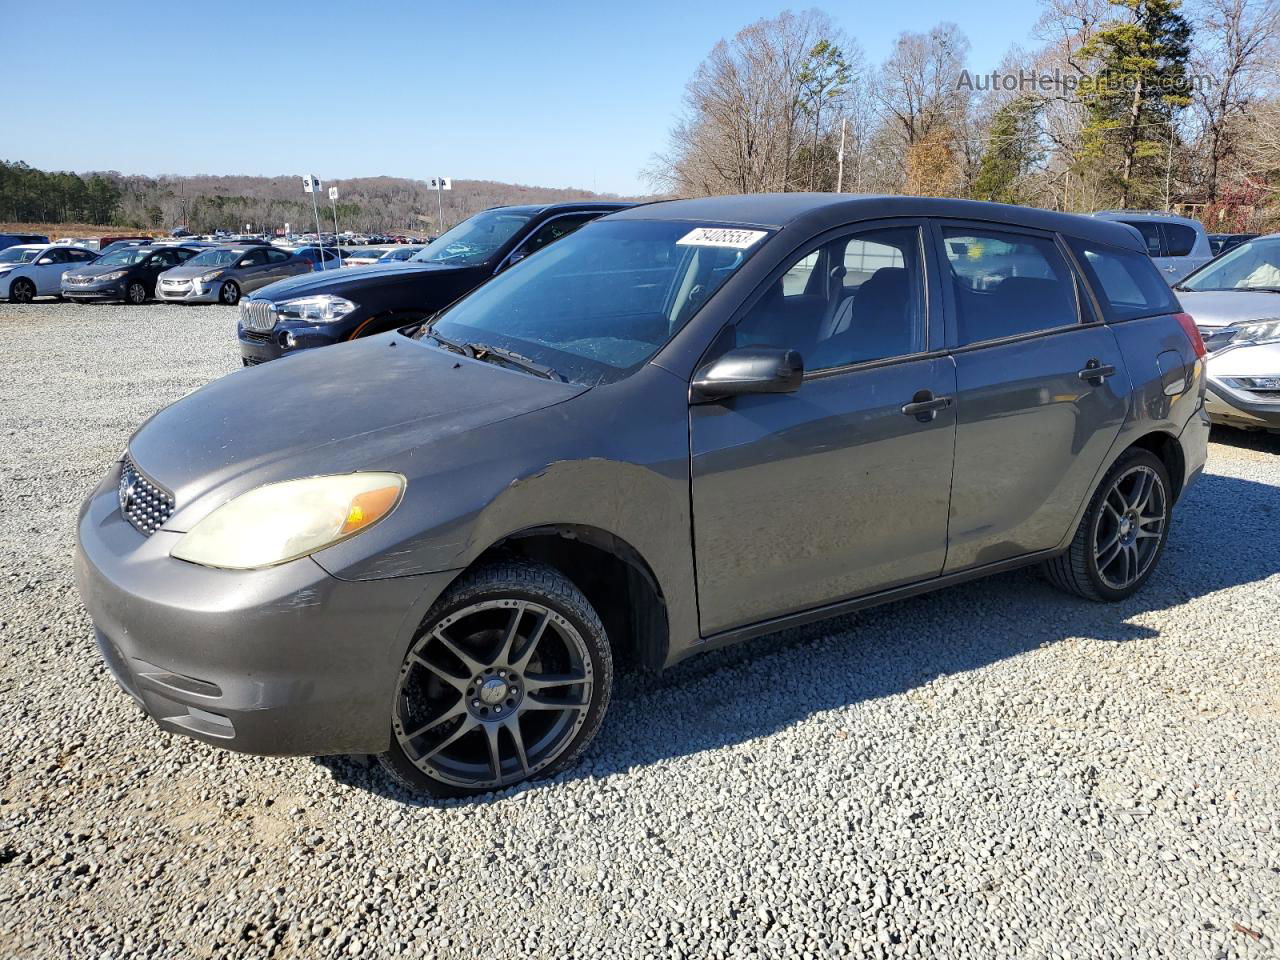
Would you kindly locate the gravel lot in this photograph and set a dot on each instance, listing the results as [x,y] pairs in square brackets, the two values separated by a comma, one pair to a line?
[995,770]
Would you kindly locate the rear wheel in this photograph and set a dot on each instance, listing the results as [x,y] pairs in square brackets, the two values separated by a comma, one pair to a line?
[508,679]
[1122,534]
[136,293]
[230,293]
[22,290]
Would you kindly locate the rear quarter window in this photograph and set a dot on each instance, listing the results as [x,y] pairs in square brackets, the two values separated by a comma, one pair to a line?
[1179,239]
[1127,283]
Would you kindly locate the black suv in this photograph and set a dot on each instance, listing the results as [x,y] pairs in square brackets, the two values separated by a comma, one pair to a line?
[128,273]
[329,306]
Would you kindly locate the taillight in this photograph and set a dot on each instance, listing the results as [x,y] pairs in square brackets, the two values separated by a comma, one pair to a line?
[1193,333]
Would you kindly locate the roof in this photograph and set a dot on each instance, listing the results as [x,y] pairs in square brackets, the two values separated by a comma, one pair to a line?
[605,206]
[820,211]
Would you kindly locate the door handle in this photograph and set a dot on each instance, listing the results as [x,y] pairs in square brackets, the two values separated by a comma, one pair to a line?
[924,406]
[1095,372]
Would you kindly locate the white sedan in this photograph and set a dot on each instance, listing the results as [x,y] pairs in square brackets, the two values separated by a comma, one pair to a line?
[31,270]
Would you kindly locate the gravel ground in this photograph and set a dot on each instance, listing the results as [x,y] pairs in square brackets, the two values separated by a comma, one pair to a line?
[994,770]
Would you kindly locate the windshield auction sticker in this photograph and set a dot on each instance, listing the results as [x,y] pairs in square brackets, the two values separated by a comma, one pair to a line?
[721,237]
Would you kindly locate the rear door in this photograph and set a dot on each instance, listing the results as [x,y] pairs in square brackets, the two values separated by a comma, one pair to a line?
[278,265]
[252,270]
[1179,252]
[1041,390]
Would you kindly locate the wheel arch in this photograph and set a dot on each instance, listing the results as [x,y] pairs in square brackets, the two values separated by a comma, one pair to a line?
[1165,446]
[612,574]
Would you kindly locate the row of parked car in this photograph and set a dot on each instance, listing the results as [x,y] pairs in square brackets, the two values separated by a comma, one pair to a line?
[294,300]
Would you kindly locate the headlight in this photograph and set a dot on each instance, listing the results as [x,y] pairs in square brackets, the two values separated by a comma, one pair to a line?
[323,308]
[113,275]
[211,275]
[284,521]
[1250,331]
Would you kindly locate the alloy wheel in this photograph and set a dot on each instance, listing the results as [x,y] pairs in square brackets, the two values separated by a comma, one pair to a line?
[230,294]
[1130,527]
[23,291]
[492,693]
[137,294]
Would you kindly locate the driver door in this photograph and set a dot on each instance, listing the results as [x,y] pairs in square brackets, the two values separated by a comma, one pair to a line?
[48,270]
[834,491]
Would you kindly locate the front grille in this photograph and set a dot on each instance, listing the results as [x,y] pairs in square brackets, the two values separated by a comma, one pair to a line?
[144,504]
[176,284]
[256,335]
[258,315]
[81,281]
[251,361]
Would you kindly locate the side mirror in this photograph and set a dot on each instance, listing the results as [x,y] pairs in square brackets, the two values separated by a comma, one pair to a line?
[748,370]
[44,261]
[516,257]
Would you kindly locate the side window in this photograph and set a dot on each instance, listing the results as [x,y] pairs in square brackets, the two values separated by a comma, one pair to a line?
[1127,282]
[56,256]
[182,256]
[79,256]
[1007,284]
[553,230]
[1179,239]
[276,256]
[1150,234]
[856,298]
[256,258]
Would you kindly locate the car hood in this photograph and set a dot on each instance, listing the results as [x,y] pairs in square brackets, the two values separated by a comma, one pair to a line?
[371,404]
[186,271]
[325,281]
[96,270]
[1217,308]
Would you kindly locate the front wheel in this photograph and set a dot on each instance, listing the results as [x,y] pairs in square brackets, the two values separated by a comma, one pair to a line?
[508,679]
[22,290]
[230,293]
[1122,534]
[136,293]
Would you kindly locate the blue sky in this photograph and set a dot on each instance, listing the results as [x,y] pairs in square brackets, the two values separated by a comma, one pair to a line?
[575,94]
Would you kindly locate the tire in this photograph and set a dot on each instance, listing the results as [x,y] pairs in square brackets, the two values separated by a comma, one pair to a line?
[229,295]
[136,293]
[472,687]
[1122,534]
[22,290]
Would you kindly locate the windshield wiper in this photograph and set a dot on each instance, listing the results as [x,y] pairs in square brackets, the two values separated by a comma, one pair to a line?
[451,345]
[482,350]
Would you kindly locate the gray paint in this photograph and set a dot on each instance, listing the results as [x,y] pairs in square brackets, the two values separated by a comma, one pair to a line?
[787,506]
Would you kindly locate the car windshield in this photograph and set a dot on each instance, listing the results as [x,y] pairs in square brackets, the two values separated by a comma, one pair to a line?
[121,258]
[1254,265]
[474,240]
[213,258]
[399,254]
[18,255]
[596,305]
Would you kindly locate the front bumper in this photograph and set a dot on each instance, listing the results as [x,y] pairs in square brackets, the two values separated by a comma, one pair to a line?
[286,660]
[107,291]
[191,293]
[1227,401]
[287,337]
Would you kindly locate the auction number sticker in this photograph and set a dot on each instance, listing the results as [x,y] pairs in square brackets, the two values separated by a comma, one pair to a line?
[721,237]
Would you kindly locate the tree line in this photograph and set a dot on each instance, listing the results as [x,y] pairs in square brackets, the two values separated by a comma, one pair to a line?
[1113,103]
[207,203]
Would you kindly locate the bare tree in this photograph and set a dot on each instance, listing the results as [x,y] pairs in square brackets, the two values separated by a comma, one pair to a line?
[1237,46]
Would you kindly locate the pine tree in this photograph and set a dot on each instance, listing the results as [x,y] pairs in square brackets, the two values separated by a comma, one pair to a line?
[1012,151]
[1137,91]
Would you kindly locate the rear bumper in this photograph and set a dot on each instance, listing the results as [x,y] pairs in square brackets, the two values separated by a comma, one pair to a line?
[286,660]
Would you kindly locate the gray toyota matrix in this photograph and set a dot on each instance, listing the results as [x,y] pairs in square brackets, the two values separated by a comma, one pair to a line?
[686,424]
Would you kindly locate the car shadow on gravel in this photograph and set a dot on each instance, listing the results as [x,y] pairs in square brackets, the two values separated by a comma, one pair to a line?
[731,696]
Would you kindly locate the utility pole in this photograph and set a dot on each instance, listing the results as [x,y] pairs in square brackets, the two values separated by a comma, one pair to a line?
[337,237]
[1168,172]
[312,186]
[844,122]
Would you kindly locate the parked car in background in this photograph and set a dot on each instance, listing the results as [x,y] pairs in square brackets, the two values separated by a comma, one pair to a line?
[1222,242]
[1235,301]
[127,274]
[668,432]
[322,309]
[400,253]
[224,274]
[26,239]
[363,256]
[321,258]
[35,270]
[1177,245]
